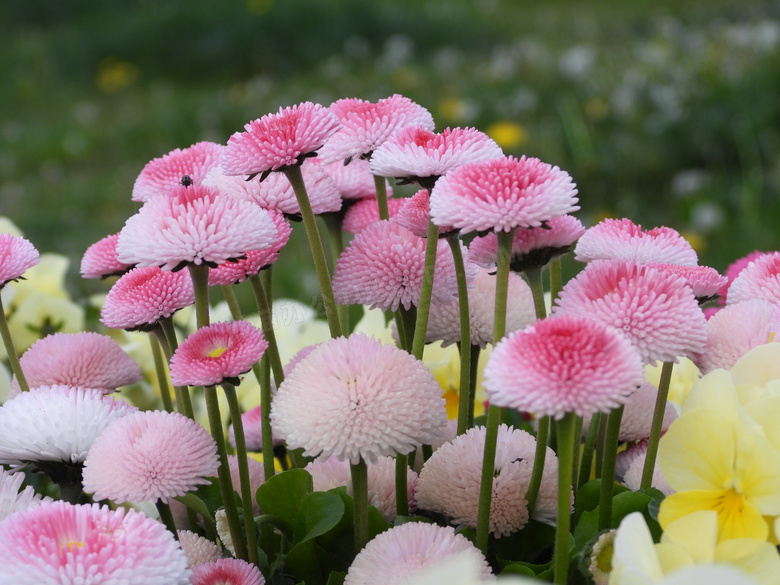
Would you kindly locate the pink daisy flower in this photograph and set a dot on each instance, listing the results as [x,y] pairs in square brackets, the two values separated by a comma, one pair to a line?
[101,260]
[16,256]
[444,320]
[198,549]
[415,214]
[398,554]
[256,477]
[365,212]
[354,181]
[561,365]
[58,543]
[235,271]
[12,499]
[83,359]
[383,268]
[622,239]
[760,279]
[449,481]
[633,476]
[143,296]
[358,399]
[501,194]
[734,269]
[530,247]
[279,140]
[365,126]
[55,423]
[415,153]
[624,458]
[170,170]
[276,193]
[216,353]
[253,436]
[193,225]
[227,572]
[655,309]
[703,280]
[148,456]
[735,330]
[329,473]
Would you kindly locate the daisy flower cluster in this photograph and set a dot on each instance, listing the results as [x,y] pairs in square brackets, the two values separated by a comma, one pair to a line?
[616,428]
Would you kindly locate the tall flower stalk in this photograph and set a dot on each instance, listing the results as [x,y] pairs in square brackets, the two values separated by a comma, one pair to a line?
[657,425]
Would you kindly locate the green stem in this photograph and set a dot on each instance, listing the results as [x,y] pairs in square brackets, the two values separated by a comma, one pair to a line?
[223,472]
[232,301]
[166,335]
[576,462]
[601,440]
[556,279]
[243,471]
[657,424]
[475,349]
[540,455]
[70,491]
[200,282]
[166,516]
[13,357]
[409,318]
[267,324]
[421,327]
[465,337]
[534,276]
[566,438]
[401,495]
[608,468]
[263,373]
[162,375]
[295,177]
[587,451]
[381,197]
[400,327]
[359,472]
[336,240]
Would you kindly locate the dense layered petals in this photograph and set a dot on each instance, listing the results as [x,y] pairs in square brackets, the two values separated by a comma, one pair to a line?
[227,572]
[415,215]
[759,280]
[198,549]
[354,180]
[733,270]
[12,499]
[101,260]
[705,282]
[363,213]
[16,256]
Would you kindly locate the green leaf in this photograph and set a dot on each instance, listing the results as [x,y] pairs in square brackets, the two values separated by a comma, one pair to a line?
[283,494]
[518,569]
[319,513]
[336,578]
[588,496]
[304,561]
[531,544]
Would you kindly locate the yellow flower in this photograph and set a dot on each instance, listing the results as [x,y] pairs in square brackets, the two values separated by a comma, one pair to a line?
[507,134]
[39,315]
[684,376]
[47,278]
[9,227]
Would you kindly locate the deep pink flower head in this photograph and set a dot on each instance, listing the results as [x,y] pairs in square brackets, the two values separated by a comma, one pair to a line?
[276,193]
[83,359]
[417,153]
[143,296]
[101,260]
[655,309]
[449,481]
[415,214]
[365,212]
[398,554]
[734,269]
[193,225]
[759,280]
[735,330]
[279,140]
[216,353]
[149,455]
[235,271]
[383,268]
[16,256]
[501,194]
[58,543]
[227,572]
[354,398]
[622,239]
[444,320]
[365,126]
[354,180]
[530,247]
[55,424]
[562,365]
[705,282]
[162,174]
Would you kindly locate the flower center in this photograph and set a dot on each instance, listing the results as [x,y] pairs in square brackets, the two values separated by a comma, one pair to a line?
[217,351]
[72,545]
[730,504]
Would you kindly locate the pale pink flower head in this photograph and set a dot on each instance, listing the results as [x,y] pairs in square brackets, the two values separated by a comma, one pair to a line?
[760,279]
[279,140]
[227,572]
[656,310]
[622,239]
[561,365]
[383,267]
[444,320]
[83,359]
[705,282]
[253,431]
[398,554]
[531,248]
[101,260]
[16,256]
[55,424]
[733,270]
[354,398]
[416,154]
[216,353]
[143,296]
[188,166]
[449,481]
[415,214]
[502,194]
[735,330]
[235,271]
[365,212]
[365,126]
[58,543]
[198,549]
[354,181]
[12,499]
[329,472]
[256,477]
[633,476]
[149,455]
[194,225]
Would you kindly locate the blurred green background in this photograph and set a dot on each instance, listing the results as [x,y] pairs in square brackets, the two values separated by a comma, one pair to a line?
[664,112]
